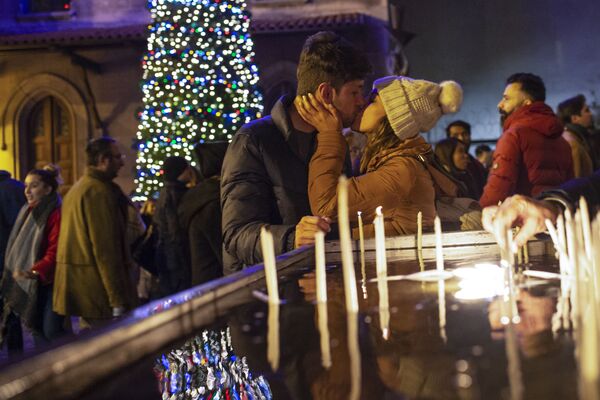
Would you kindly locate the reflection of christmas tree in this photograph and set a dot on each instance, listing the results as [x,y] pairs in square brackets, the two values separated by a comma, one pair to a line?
[200,81]
[206,368]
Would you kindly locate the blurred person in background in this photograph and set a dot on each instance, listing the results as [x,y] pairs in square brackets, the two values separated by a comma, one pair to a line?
[578,119]
[461,130]
[484,155]
[173,249]
[453,156]
[200,215]
[27,281]
[12,198]
[93,264]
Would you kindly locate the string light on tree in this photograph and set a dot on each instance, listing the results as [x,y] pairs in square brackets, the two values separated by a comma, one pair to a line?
[200,82]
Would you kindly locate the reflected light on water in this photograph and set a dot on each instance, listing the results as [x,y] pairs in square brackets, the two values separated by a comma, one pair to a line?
[479,282]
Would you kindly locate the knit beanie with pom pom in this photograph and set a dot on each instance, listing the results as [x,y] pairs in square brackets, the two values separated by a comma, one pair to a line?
[414,106]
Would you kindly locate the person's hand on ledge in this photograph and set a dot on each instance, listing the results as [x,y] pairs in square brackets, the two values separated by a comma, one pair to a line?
[519,211]
[307,227]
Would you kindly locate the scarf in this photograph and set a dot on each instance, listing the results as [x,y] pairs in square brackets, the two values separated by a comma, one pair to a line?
[22,252]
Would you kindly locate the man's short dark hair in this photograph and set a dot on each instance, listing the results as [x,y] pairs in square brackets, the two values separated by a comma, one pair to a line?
[531,84]
[570,107]
[482,148]
[460,123]
[97,148]
[329,58]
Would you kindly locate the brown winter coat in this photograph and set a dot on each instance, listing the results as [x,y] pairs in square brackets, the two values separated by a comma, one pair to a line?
[395,179]
[583,165]
[92,263]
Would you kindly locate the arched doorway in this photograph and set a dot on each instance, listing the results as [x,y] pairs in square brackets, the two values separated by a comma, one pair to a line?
[48,138]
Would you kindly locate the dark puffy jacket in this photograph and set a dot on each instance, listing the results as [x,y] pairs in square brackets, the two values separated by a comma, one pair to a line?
[531,155]
[200,215]
[12,197]
[570,192]
[173,251]
[200,218]
[264,182]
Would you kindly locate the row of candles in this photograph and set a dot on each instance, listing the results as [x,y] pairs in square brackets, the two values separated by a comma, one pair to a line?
[350,290]
[577,242]
[579,255]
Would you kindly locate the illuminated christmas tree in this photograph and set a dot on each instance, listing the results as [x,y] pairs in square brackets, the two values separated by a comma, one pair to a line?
[199,83]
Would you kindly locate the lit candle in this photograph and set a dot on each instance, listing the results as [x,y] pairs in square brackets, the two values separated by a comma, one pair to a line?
[268,251]
[380,258]
[420,240]
[361,238]
[273,336]
[320,267]
[439,256]
[324,335]
[346,247]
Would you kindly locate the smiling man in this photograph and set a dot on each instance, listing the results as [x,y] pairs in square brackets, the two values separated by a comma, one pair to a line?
[265,172]
[531,156]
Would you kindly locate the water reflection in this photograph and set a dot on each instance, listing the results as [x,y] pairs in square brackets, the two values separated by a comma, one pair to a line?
[327,353]
[206,367]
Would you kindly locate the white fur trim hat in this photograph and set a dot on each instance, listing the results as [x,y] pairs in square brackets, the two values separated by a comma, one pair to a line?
[414,106]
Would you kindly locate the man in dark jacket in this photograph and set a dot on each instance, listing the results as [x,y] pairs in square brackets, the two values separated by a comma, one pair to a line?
[265,172]
[531,214]
[12,198]
[173,252]
[531,155]
[200,215]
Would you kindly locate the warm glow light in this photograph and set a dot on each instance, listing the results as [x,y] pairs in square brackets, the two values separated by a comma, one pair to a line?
[481,281]
[200,82]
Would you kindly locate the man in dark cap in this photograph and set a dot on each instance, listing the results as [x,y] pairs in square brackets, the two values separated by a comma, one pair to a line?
[173,250]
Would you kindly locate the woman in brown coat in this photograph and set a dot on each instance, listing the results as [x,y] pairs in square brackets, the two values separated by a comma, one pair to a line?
[393,172]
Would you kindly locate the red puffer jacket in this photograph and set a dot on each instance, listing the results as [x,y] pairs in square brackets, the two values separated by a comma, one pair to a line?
[530,157]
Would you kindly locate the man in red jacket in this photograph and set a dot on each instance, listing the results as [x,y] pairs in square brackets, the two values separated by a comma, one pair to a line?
[531,156]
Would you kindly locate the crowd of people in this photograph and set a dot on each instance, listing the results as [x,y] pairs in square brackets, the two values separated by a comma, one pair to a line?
[95,255]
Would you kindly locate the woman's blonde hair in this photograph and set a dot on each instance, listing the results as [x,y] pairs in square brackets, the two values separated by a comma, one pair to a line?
[382,137]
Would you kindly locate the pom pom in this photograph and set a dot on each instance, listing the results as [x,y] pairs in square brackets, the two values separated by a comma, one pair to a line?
[450,97]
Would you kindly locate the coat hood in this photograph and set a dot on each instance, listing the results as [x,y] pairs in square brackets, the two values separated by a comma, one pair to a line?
[412,147]
[538,117]
[210,157]
[196,199]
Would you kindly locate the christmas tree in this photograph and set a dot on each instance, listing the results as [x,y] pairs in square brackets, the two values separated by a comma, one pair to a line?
[199,82]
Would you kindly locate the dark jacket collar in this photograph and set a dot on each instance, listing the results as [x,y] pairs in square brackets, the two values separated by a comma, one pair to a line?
[281,116]
[579,130]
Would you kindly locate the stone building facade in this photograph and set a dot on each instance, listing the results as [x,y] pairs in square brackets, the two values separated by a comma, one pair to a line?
[71,71]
